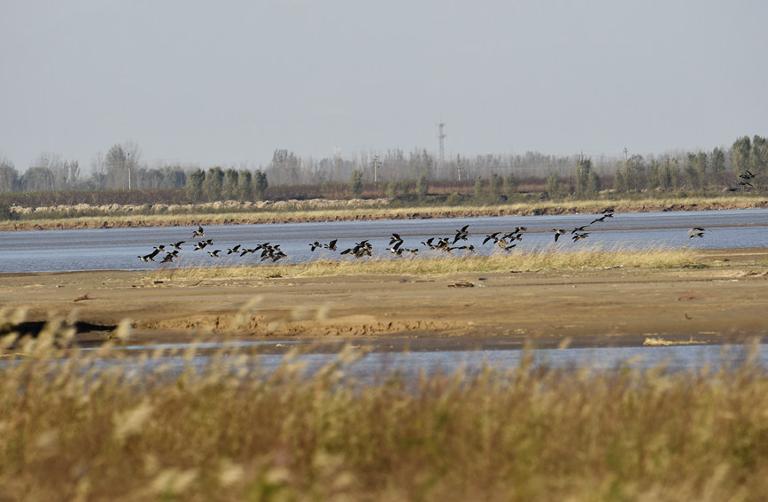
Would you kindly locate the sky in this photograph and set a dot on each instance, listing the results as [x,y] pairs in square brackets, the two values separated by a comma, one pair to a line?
[227,82]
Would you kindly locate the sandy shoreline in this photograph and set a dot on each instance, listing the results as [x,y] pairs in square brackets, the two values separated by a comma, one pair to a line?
[363,214]
[726,301]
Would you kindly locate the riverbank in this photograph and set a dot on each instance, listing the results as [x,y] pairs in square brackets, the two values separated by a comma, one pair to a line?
[306,212]
[712,297]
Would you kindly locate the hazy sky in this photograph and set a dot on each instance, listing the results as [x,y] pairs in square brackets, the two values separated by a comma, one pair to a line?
[230,81]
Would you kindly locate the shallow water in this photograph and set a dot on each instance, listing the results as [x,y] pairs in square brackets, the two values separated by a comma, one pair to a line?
[117,249]
[411,364]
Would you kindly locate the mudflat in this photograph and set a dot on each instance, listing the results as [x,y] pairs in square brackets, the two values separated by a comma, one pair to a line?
[725,299]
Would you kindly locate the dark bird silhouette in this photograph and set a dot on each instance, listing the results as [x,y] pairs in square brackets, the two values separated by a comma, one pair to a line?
[746,184]
[202,244]
[696,232]
[177,245]
[429,243]
[492,237]
[577,237]
[169,257]
[461,234]
[394,247]
[579,229]
[515,235]
[214,253]
[558,232]
[601,218]
[506,246]
[199,232]
[314,245]
[331,245]
[395,239]
[234,249]
[270,251]
[362,248]
[150,257]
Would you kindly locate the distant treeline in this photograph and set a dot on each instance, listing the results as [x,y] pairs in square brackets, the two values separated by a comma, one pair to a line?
[121,177]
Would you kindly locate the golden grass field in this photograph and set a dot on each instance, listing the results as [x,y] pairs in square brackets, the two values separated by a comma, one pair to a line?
[205,216]
[229,431]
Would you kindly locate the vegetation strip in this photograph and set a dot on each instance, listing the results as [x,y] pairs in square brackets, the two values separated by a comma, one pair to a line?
[230,430]
[288,215]
[593,258]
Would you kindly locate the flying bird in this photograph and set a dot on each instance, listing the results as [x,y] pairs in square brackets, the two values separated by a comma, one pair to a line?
[578,237]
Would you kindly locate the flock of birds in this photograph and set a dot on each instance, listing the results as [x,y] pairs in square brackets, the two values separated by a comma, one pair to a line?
[506,241]
[745,179]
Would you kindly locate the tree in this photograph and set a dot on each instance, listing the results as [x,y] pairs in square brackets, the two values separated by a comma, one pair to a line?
[664,174]
[717,160]
[194,185]
[553,185]
[285,166]
[214,179]
[121,164]
[356,183]
[620,181]
[593,184]
[37,179]
[741,153]
[392,189]
[422,186]
[584,177]
[260,184]
[494,186]
[478,188]
[9,177]
[510,185]
[245,185]
[692,172]
[65,173]
[702,163]
[759,155]
[229,185]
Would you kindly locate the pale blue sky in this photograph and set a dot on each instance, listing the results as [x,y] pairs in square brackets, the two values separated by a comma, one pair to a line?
[229,81]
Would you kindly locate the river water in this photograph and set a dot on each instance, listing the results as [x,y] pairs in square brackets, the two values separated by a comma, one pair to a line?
[411,364]
[117,249]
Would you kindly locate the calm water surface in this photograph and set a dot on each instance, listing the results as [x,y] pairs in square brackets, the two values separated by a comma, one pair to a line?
[117,249]
[411,364]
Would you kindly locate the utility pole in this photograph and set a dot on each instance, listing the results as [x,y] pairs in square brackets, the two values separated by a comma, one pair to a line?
[376,164]
[626,154]
[441,142]
[128,165]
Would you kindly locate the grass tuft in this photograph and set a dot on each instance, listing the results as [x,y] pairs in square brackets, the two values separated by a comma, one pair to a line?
[587,258]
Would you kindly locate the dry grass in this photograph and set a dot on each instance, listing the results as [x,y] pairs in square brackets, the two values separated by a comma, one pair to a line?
[229,431]
[374,213]
[588,258]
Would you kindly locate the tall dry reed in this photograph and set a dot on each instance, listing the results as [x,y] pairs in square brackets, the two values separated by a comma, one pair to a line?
[91,426]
